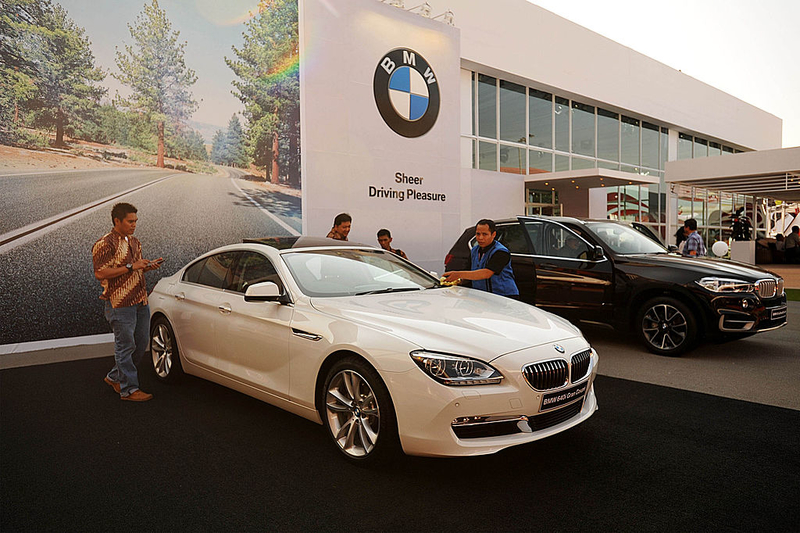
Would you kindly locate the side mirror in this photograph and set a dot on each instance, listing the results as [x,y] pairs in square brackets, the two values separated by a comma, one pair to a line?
[672,248]
[599,253]
[266,291]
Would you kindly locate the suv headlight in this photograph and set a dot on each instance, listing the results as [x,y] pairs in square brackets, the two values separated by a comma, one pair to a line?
[726,285]
[456,370]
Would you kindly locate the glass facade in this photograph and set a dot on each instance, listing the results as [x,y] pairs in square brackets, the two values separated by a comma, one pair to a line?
[523,130]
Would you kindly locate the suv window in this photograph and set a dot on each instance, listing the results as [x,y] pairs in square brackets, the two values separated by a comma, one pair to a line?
[534,230]
[212,271]
[253,268]
[560,242]
[513,237]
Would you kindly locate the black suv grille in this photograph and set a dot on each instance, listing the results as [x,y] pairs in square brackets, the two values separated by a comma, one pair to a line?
[546,375]
[580,365]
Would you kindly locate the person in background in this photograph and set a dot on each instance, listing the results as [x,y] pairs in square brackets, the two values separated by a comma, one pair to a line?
[680,238]
[780,242]
[694,247]
[341,227]
[792,244]
[119,266]
[491,264]
[385,240]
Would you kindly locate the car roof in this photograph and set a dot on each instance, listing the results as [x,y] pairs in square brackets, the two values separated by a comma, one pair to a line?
[303,241]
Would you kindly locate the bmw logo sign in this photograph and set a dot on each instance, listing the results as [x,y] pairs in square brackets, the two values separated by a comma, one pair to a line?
[406,92]
[559,348]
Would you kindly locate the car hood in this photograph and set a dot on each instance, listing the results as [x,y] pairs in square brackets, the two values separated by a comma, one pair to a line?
[454,320]
[703,266]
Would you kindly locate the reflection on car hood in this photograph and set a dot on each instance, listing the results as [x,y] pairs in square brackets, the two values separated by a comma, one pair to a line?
[704,266]
[453,320]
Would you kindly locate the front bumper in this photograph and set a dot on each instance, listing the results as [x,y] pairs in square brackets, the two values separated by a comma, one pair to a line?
[437,420]
[748,313]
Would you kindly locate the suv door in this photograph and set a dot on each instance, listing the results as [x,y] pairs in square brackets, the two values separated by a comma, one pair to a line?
[569,279]
[513,236]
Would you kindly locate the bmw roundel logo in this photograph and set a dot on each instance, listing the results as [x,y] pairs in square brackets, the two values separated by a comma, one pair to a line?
[406,92]
[559,348]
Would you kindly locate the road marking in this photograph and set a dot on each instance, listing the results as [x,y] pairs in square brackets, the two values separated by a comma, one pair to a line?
[64,171]
[12,239]
[283,224]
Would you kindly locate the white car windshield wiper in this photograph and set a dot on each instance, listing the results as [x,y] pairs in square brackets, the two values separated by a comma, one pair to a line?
[390,289]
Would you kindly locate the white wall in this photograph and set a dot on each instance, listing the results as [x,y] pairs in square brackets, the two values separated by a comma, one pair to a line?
[530,43]
[346,145]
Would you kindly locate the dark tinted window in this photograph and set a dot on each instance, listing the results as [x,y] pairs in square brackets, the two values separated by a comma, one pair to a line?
[534,231]
[253,268]
[560,242]
[215,271]
[513,237]
[193,272]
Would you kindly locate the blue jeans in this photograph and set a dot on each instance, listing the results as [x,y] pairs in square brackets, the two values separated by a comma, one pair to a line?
[131,327]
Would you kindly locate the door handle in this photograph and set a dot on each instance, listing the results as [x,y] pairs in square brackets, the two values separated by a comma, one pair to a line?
[225,309]
[180,296]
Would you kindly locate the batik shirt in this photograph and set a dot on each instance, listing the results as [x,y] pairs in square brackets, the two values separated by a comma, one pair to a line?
[333,234]
[114,250]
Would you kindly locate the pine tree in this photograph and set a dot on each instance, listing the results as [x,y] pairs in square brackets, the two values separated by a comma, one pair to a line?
[219,148]
[269,87]
[154,68]
[237,155]
[47,65]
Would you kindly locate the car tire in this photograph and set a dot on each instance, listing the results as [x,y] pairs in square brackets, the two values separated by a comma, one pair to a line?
[357,412]
[667,326]
[164,351]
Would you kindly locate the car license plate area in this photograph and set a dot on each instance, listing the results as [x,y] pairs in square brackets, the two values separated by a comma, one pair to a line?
[777,313]
[564,397]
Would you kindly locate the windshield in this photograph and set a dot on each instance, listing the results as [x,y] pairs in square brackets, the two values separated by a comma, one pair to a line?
[347,272]
[625,240]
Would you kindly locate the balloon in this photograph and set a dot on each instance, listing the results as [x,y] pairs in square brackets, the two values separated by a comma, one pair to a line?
[720,248]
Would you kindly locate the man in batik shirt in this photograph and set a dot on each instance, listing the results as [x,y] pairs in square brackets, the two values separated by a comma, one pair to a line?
[118,264]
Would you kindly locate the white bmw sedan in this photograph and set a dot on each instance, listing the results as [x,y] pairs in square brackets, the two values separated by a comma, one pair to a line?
[372,347]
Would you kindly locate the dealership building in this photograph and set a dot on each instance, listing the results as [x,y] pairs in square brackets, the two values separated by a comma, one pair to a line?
[424,119]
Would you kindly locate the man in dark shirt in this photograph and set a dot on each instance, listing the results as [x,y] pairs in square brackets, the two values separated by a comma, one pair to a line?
[490,262]
[385,240]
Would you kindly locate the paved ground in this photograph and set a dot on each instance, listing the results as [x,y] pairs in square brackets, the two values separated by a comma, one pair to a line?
[200,457]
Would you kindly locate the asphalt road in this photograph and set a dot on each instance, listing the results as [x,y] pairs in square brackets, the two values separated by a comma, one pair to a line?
[200,457]
[48,287]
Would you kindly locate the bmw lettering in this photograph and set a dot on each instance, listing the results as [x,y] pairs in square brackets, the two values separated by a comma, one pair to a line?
[406,92]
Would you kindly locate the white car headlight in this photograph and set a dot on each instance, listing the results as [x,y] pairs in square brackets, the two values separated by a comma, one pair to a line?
[456,370]
[725,285]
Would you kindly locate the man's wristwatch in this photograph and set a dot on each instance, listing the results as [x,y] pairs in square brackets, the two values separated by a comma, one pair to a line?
[129,267]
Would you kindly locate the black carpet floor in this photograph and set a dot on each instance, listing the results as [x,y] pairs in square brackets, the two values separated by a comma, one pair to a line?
[200,457]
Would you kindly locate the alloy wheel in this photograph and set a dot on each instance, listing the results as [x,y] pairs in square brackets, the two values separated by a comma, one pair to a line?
[353,413]
[665,327]
[161,348]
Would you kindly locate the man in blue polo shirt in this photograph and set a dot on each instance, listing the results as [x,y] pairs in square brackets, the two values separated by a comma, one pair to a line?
[491,263]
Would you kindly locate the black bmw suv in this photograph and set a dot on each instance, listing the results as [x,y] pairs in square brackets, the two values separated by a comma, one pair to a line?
[615,273]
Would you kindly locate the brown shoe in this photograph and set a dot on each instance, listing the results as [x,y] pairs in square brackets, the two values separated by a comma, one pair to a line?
[114,384]
[137,396]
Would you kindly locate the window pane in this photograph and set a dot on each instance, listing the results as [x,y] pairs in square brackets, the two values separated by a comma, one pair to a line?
[612,203]
[727,150]
[649,203]
[539,162]
[487,106]
[684,203]
[580,163]
[216,272]
[562,124]
[582,129]
[684,146]
[664,148]
[649,145]
[629,202]
[607,135]
[512,159]
[700,147]
[512,112]
[560,242]
[562,163]
[714,213]
[630,140]
[714,149]
[610,166]
[513,237]
[487,156]
[540,108]
[253,268]
[472,94]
